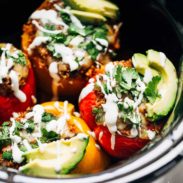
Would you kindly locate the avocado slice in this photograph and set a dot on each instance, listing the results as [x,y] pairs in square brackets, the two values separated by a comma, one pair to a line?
[158,64]
[102,7]
[89,17]
[56,158]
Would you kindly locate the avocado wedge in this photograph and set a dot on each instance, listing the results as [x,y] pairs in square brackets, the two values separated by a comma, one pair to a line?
[102,7]
[56,158]
[158,64]
[89,17]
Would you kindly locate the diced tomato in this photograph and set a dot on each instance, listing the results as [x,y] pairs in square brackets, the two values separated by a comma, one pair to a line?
[10,104]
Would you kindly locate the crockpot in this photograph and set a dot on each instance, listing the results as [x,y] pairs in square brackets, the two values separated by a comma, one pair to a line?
[146,24]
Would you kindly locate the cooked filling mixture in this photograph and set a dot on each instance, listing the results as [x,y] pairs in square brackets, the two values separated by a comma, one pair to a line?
[131,96]
[69,40]
[37,138]
[13,71]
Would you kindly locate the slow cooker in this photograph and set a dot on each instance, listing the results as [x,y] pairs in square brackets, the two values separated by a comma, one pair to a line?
[146,24]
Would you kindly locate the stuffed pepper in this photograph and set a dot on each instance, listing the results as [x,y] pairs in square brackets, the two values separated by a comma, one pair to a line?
[17,87]
[50,140]
[66,40]
[125,104]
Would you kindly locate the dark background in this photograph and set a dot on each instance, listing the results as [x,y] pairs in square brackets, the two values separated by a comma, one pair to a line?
[14,13]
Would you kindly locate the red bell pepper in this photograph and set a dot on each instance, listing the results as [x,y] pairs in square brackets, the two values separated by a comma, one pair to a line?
[10,104]
[124,146]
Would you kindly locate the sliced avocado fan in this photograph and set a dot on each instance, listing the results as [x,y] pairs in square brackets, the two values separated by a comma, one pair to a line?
[56,158]
[99,8]
[158,64]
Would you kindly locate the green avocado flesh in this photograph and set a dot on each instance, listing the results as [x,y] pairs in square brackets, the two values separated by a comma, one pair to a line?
[56,158]
[89,17]
[101,7]
[160,65]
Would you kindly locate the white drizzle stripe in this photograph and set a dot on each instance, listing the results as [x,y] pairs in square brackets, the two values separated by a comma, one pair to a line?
[48,16]
[15,86]
[37,42]
[45,30]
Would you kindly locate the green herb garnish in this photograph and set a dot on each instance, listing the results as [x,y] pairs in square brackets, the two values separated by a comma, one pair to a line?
[49,136]
[31,126]
[47,117]
[7,155]
[151,91]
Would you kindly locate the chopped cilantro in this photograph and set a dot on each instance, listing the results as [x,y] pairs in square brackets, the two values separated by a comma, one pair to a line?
[31,126]
[18,127]
[7,155]
[23,148]
[49,136]
[4,135]
[125,78]
[59,38]
[49,27]
[98,113]
[47,117]
[74,30]
[21,59]
[100,32]
[92,51]
[65,17]
[151,91]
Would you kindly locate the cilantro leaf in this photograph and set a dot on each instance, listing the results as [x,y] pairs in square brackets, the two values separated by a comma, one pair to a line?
[20,60]
[49,136]
[31,126]
[126,78]
[7,155]
[92,51]
[65,17]
[100,32]
[47,117]
[4,135]
[98,113]
[151,92]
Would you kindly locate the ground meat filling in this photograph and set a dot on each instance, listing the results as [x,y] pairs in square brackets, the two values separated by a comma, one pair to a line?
[81,51]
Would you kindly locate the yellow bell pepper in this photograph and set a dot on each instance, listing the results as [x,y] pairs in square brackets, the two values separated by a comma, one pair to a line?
[95,159]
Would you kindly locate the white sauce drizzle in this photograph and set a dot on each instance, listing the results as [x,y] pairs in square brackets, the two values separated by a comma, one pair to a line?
[45,30]
[76,41]
[15,86]
[68,56]
[151,134]
[5,71]
[53,70]
[48,16]
[27,145]
[37,42]
[16,153]
[103,42]
[89,88]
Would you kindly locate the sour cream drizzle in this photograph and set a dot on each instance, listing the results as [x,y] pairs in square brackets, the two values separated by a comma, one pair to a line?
[6,70]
